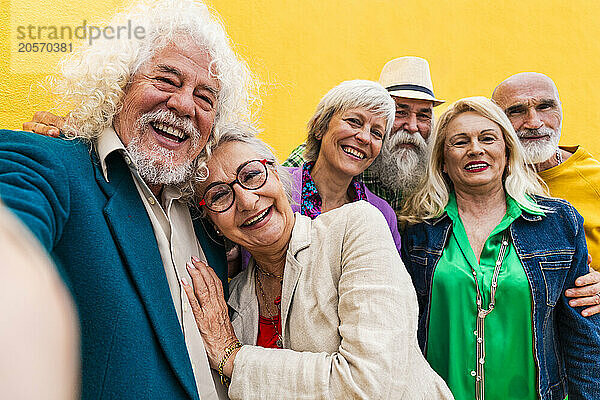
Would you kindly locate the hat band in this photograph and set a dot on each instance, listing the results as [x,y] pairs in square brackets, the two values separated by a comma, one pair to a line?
[410,87]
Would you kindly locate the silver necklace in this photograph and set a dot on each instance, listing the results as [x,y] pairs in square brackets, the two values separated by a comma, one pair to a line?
[481,314]
[559,158]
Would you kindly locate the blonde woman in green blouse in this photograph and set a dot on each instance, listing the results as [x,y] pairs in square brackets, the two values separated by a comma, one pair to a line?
[490,258]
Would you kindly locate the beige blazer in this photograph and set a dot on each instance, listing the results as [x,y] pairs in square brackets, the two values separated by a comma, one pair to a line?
[349,318]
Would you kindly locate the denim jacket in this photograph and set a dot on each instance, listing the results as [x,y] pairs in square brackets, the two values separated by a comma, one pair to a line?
[553,252]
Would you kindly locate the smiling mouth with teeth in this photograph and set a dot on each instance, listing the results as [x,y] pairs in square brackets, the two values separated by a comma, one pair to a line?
[477,166]
[353,152]
[169,132]
[258,218]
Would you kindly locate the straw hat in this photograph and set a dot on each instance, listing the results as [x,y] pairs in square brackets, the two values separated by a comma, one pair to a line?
[408,77]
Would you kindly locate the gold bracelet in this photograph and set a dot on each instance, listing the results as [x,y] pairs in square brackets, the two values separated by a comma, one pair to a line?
[228,350]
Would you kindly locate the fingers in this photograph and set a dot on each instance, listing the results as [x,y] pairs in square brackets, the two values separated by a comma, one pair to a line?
[589,291]
[207,286]
[589,300]
[196,309]
[210,310]
[41,129]
[201,291]
[45,123]
[46,118]
[586,293]
[591,311]
[593,277]
[592,301]
[211,279]
[590,261]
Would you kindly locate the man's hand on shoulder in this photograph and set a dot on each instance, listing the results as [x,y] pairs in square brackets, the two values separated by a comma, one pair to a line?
[45,123]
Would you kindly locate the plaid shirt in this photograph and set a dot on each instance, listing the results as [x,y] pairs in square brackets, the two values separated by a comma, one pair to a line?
[295,159]
[393,197]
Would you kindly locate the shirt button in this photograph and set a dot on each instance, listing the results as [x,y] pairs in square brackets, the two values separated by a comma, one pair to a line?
[473,373]
[151,200]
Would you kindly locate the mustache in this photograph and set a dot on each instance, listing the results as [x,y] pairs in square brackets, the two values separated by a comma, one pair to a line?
[542,131]
[403,137]
[168,117]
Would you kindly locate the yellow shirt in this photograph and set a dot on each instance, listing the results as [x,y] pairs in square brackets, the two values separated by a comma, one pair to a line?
[577,180]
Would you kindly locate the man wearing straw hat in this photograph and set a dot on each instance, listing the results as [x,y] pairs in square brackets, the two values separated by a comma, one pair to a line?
[401,163]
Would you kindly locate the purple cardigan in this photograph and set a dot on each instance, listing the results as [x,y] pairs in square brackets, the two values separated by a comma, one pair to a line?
[378,202]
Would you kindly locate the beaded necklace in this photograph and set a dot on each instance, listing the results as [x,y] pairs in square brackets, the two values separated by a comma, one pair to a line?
[559,157]
[277,303]
[481,314]
[267,273]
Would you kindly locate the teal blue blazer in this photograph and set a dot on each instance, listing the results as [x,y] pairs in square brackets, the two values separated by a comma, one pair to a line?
[101,239]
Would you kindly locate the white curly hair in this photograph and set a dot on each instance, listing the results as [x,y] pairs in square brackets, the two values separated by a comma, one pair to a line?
[93,79]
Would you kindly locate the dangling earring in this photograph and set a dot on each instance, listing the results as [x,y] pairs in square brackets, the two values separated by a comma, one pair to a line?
[218,231]
[202,173]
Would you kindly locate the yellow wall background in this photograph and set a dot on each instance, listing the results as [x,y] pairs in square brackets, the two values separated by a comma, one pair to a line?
[300,49]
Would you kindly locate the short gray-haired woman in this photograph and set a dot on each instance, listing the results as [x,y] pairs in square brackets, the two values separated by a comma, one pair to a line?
[490,258]
[329,295]
[345,135]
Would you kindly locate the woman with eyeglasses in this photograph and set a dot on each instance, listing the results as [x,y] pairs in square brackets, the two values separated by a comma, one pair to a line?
[345,135]
[325,309]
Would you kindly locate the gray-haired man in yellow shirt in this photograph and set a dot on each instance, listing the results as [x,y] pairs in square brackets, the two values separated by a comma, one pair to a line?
[531,102]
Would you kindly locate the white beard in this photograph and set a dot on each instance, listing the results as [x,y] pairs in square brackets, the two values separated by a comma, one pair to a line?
[156,165]
[539,150]
[398,167]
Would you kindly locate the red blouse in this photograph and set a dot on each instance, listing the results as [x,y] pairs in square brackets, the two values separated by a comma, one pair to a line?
[267,333]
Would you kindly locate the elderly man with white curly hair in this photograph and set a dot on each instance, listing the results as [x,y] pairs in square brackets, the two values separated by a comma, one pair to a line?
[108,201]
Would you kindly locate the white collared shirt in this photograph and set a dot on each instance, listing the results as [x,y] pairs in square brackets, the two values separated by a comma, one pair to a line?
[177,243]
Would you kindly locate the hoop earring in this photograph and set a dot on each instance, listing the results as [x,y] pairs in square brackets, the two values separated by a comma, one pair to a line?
[202,173]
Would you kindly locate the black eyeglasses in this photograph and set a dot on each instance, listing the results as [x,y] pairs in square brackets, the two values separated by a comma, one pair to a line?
[251,175]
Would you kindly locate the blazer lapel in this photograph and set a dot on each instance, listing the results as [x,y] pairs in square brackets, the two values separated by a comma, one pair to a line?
[293,267]
[213,248]
[244,305]
[134,236]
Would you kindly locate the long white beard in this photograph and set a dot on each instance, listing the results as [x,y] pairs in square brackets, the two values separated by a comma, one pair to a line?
[398,167]
[539,150]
